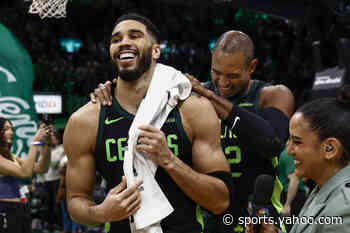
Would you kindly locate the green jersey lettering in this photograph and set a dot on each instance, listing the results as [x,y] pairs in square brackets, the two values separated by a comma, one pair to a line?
[172,145]
[121,148]
[110,158]
[234,156]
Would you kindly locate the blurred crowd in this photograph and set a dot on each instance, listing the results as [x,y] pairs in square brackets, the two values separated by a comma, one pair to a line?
[283,47]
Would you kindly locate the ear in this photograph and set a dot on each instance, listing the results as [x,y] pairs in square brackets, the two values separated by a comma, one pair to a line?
[332,148]
[252,66]
[155,51]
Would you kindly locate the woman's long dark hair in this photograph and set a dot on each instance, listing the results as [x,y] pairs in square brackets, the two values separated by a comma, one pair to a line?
[4,146]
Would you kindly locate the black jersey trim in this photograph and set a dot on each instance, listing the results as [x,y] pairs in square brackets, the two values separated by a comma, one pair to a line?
[100,129]
[187,143]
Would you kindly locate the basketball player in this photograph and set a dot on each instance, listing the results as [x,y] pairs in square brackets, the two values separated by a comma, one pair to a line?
[255,117]
[192,167]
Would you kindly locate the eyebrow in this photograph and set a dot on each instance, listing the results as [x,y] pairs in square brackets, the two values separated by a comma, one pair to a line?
[216,71]
[129,31]
[295,137]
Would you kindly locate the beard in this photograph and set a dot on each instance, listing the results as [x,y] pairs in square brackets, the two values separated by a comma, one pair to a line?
[144,65]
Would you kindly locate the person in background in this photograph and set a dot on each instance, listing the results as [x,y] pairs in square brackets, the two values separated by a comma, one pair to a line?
[48,185]
[69,226]
[294,191]
[13,214]
[320,146]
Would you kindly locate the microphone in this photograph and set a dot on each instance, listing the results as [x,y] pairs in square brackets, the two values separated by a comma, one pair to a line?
[261,203]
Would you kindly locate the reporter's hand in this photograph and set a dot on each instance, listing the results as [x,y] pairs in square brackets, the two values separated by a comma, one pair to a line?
[103,93]
[121,202]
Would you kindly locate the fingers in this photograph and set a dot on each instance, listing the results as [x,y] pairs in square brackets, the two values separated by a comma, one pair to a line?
[93,98]
[120,187]
[103,93]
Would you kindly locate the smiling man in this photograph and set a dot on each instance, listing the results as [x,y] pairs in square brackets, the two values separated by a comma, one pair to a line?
[254,114]
[192,168]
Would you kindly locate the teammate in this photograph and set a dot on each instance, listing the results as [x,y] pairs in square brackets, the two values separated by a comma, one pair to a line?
[192,167]
[254,114]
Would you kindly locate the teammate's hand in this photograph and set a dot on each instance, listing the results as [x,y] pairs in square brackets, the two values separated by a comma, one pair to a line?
[103,93]
[152,141]
[197,86]
[121,202]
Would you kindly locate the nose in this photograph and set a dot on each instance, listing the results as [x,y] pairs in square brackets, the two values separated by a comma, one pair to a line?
[124,41]
[290,149]
[223,81]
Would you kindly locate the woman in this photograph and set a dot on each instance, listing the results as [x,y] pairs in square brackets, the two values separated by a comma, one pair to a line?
[320,144]
[13,217]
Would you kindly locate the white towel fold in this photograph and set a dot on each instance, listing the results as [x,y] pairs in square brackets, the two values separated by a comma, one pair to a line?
[167,87]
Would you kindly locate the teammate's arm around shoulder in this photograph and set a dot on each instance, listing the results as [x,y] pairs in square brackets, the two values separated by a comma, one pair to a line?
[202,126]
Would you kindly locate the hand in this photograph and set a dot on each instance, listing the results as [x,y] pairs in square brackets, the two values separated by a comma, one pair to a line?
[121,202]
[103,93]
[286,210]
[44,133]
[152,141]
[197,86]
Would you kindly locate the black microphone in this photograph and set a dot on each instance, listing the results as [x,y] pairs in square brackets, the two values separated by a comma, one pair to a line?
[262,206]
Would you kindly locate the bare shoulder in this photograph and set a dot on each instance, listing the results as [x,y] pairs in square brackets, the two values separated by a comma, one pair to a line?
[82,126]
[278,90]
[278,96]
[197,113]
[195,106]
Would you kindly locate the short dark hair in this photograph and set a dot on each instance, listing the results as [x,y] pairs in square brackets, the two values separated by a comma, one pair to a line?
[151,28]
[235,41]
[330,117]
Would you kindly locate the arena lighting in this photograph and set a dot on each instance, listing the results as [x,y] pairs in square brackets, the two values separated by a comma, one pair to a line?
[48,103]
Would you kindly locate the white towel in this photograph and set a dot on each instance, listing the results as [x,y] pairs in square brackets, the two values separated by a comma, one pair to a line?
[167,87]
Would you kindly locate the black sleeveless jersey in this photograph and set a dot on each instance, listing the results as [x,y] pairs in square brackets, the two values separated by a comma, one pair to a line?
[245,162]
[111,145]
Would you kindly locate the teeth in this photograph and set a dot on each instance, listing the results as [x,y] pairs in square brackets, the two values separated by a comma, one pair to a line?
[127,55]
[296,162]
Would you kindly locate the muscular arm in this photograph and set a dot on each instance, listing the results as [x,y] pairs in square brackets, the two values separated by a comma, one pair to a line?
[79,143]
[207,156]
[80,177]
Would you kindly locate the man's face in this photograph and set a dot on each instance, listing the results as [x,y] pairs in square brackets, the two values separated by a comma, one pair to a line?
[230,73]
[131,49]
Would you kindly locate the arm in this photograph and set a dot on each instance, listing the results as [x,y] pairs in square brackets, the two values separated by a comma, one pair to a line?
[292,190]
[207,156]
[79,143]
[269,129]
[25,167]
[43,164]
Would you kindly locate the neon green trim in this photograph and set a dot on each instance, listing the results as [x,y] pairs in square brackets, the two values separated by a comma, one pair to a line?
[199,216]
